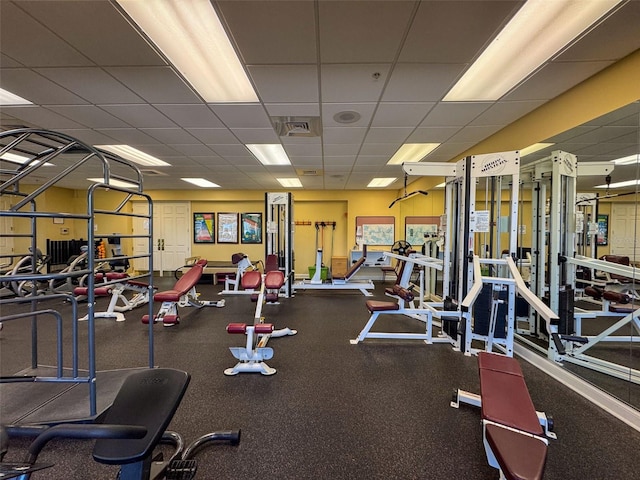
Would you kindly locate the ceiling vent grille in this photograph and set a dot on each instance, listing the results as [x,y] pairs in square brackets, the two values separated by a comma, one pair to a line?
[297,126]
[308,173]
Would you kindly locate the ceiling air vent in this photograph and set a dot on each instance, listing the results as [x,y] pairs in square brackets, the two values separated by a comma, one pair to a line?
[308,173]
[297,126]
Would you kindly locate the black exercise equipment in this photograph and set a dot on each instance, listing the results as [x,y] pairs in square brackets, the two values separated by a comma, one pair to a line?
[401,247]
[138,419]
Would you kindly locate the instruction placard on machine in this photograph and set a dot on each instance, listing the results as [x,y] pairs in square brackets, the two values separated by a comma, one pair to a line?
[479,221]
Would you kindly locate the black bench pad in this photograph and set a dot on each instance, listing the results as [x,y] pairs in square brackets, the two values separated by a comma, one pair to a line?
[148,398]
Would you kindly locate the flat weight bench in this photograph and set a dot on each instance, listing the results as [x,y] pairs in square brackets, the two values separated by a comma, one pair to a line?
[183,294]
[514,433]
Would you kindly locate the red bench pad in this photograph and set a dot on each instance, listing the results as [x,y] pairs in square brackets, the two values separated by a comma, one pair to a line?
[520,456]
[499,363]
[378,306]
[182,286]
[274,280]
[98,292]
[506,400]
[251,280]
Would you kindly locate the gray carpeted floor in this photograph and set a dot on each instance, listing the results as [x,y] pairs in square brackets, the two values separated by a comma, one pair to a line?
[334,410]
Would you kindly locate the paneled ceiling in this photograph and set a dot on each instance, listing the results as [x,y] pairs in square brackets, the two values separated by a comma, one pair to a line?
[91,75]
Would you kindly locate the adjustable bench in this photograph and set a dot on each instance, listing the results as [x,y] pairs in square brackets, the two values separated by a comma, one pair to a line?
[116,291]
[183,294]
[514,433]
[346,282]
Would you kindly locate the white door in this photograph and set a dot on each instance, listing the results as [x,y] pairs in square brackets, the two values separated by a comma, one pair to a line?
[171,235]
[624,230]
[6,227]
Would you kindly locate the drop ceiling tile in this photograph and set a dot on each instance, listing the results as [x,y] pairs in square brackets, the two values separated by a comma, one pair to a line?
[99,31]
[170,135]
[313,142]
[155,84]
[91,137]
[454,32]
[139,116]
[37,89]
[6,61]
[306,162]
[92,84]
[214,163]
[421,82]
[191,116]
[475,134]
[31,43]
[353,83]
[362,31]
[387,149]
[554,79]
[451,114]
[286,83]
[340,150]
[329,110]
[388,135]
[280,32]
[349,135]
[504,113]
[242,115]
[256,135]
[293,109]
[301,150]
[230,150]
[129,136]
[89,116]
[339,162]
[194,150]
[41,117]
[401,114]
[372,160]
[213,136]
[432,134]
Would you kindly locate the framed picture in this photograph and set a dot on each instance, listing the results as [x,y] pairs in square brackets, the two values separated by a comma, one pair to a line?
[203,228]
[603,230]
[251,224]
[227,228]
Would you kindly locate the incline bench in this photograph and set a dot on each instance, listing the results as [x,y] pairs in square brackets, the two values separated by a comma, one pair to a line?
[514,433]
[182,294]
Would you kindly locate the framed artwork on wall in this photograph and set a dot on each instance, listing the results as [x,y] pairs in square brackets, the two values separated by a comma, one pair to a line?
[602,237]
[203,228]
[251,224]
[227,228]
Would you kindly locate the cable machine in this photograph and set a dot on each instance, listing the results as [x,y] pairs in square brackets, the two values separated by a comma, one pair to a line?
[279,237]
[479,284]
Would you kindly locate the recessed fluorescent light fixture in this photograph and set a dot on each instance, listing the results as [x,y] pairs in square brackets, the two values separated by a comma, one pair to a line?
[381,182]
[629,160]
[191,36]
[201,182]
[412,152]
[441,185]
[134,155]
[628,183]
[269,154]
[8,98]
[534,148]
[21,159]
[115,183]
[537,32]
[290,182]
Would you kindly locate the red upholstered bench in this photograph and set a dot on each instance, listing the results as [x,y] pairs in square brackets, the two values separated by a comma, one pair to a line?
[515,440]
